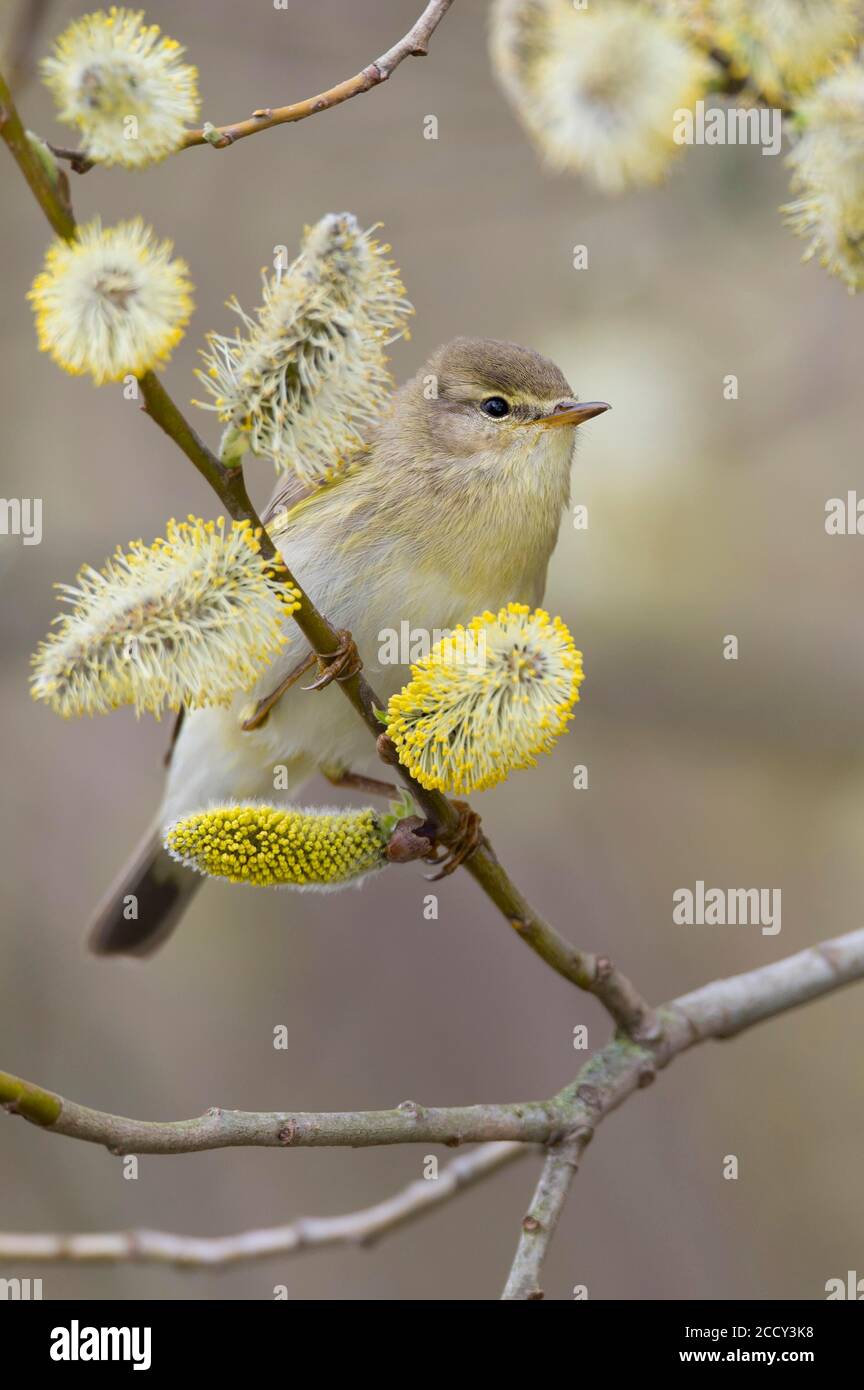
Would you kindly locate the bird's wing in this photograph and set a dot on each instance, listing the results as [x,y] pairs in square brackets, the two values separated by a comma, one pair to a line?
[289,490]
[291,495]
[292,492]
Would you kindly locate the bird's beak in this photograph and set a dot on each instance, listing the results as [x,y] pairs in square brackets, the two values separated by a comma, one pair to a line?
[572,413]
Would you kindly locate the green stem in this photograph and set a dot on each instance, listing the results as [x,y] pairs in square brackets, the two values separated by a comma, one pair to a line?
[50,199]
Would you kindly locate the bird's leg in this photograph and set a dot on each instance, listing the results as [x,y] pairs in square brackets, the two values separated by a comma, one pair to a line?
[373,785]
[467,837]
[340,665]
[262,710]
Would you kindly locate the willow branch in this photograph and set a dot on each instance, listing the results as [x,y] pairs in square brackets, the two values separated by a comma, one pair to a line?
[415,44]
[538,1225]
[589,972]
[409,1123]
[717,1010]
[358,1228]
[52,199]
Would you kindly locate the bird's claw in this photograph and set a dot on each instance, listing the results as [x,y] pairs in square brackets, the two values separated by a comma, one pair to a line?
[466,838]
[340,665]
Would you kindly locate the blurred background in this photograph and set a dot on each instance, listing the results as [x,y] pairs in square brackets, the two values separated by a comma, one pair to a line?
[706,518]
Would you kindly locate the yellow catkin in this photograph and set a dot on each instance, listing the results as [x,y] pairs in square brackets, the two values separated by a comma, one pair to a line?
[271,846]
[828,165]
[122,84]
[111,303]
[486,700]
[190,619]
[781,47]
[304,379]
[596,86]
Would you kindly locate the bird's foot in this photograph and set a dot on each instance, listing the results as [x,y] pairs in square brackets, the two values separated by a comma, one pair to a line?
[466,838]
[340,665]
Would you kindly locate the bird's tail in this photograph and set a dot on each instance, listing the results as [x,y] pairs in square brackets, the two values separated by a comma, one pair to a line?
[145,904]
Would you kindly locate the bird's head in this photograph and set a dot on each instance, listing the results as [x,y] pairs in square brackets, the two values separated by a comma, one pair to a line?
[486,406]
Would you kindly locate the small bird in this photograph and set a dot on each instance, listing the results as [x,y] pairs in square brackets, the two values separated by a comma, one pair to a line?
[452,508]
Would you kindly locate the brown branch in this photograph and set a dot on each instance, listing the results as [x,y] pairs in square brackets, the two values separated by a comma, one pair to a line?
[415,44]
[538,1225]
[357,1228]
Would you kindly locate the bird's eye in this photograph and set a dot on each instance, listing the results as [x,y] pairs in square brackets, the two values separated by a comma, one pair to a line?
[496,406]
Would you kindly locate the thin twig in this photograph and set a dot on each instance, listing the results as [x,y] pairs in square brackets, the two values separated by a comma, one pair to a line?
[357,1228]
[532,1122]
[717,1010]
[538,1225]
[415,44]
[593,973]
